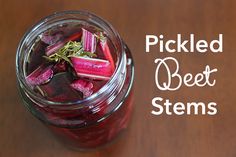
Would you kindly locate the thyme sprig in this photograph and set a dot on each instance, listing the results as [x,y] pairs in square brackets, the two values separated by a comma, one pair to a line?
[101,37]
[70,49]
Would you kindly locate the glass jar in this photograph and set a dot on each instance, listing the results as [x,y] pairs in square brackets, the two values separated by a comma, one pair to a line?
[97,119]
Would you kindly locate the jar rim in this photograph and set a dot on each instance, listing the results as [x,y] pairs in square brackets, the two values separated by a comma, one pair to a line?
[29,91]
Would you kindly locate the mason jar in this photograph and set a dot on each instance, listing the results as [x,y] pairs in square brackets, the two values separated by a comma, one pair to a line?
[96,120]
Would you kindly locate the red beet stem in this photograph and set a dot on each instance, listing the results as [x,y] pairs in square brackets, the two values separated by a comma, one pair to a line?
[52,48]
[107,53]
[40,75]
[83,86]
[89,41]
[92,68]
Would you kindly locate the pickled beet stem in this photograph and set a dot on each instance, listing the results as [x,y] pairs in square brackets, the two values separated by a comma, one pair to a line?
[107,53]
[51,39]
[41,75]
[89,41]
[92,68]
[83,86]
[52,48]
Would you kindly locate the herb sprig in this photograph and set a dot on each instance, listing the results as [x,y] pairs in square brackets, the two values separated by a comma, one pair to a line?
[70,49]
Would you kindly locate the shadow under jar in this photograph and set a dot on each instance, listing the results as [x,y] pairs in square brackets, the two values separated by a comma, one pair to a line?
[81,123]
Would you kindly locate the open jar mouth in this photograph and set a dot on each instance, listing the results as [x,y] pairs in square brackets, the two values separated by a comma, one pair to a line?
[59,18]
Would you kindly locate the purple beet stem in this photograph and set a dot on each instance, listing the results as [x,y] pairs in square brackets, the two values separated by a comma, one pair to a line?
[92,68]
[89,41]
[40,76]
[83,86]
[51,39]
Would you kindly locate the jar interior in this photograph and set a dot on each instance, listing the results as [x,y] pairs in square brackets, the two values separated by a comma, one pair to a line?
[57,21]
